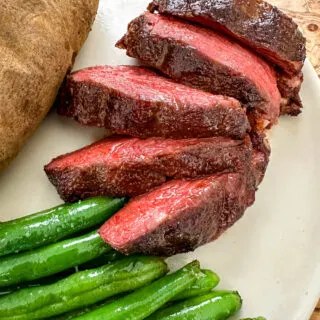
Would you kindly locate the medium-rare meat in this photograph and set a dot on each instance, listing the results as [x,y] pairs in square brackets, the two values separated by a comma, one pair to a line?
[257,24]
[124,166]
[138,102]
[180,215]
[205,59]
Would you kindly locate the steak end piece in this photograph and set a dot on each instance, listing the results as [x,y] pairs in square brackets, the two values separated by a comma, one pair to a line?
[257,24]
[180,215]
[130,166]
[206,60]
[261,155]
[138,102]
[289,87]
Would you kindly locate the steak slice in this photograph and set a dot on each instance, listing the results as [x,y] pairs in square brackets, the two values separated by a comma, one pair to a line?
[205,59]
[138,102]
[130,166]
[180,215]
[257,24]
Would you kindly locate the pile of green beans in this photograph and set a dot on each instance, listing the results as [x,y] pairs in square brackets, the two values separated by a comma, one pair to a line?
[55,266]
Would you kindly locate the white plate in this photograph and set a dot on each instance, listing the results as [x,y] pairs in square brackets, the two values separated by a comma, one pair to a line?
[272,254]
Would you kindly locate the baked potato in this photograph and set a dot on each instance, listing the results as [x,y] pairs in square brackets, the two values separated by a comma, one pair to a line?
[39,40]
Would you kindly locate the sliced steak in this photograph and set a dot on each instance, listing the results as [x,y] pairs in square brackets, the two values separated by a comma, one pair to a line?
[205,59]
[180,215]
[130,166]
[138,102]
[257,24]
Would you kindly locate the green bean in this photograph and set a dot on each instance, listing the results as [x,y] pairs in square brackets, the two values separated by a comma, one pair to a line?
[56,223]
[108,257]
[37,283]
[217,305]
[146,300]
[81,289]
[51,259]
[207,280]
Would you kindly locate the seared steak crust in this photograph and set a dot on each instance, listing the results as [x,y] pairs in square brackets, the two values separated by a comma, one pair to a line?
[138,102]
[289,87]
[261,155]
[130,166]
[180,215]
[258,24]
[206,60]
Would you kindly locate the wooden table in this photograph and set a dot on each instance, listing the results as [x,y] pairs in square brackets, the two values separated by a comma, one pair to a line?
[307,14]
[316,313]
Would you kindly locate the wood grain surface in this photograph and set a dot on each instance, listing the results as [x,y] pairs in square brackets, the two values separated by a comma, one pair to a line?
[307,14]
[316,313]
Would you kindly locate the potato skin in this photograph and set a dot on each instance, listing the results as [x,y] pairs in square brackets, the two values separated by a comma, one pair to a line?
[39,40]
